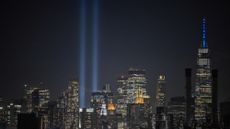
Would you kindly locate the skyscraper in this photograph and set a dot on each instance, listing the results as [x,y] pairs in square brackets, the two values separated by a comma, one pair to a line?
[121,107]
[160,92]
[131,89]
[121,96]
[40,99]
[203,86]
[28,90]
[136,84]
[71,102]
[161,116]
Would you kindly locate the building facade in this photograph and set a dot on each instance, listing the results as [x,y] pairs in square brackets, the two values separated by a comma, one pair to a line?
[177,109]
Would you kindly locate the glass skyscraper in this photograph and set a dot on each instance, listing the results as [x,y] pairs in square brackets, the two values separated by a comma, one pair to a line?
[203,86]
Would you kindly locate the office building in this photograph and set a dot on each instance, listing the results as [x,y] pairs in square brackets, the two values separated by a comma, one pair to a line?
[203,84]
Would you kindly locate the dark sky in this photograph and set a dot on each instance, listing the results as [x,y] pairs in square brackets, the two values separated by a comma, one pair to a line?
[40,42]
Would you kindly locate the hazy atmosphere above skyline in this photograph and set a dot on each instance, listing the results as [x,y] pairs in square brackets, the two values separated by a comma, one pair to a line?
[40,42]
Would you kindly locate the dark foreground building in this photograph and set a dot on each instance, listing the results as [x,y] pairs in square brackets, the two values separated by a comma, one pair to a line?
[225,114]
[28,121]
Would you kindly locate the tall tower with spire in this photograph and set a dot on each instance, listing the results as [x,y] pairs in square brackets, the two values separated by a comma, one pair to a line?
[203,86]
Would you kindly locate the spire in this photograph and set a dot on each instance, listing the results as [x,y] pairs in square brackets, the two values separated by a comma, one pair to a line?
[204,42]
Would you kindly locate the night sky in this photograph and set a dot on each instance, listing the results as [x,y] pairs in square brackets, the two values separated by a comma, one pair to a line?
[40,42]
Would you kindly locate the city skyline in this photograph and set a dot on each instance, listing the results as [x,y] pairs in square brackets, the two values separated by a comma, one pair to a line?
[132,34]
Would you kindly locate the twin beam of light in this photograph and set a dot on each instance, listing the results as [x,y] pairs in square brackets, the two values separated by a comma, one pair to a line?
[82,52]
[83,41]
[204,43]
[95,46]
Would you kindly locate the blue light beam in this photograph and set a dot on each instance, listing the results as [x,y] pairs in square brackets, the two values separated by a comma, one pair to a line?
[95,47]
[82,52]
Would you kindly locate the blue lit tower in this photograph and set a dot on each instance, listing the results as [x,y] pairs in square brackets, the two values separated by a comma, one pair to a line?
[203,86]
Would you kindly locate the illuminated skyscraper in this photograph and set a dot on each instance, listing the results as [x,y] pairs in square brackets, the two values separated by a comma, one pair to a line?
[203,86]
[131,89]
[71,106]
[121,96]
[121,107]
[136,84]
[160,92]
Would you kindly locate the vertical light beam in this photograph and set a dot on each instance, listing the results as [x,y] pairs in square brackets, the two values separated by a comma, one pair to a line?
[95,46]
[82,52]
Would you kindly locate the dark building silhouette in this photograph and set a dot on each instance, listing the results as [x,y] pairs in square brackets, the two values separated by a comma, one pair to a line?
[225,114]
[161,118]
[189,99]
[215,97]
[28,121]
